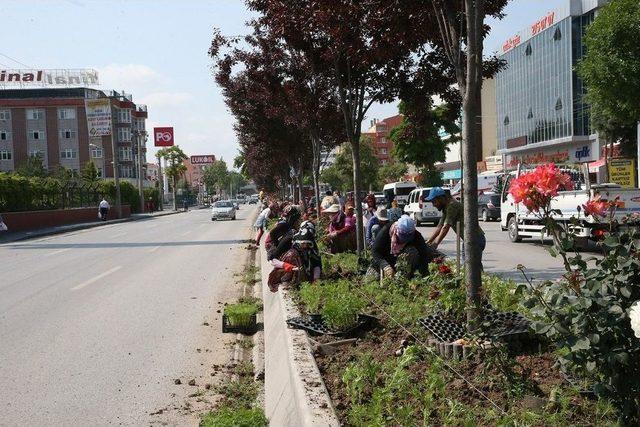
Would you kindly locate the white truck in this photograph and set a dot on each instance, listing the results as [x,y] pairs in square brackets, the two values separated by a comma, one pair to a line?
[519,222]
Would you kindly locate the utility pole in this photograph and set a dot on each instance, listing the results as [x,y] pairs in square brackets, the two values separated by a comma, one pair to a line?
[116,178]
[161,184]
[138,135]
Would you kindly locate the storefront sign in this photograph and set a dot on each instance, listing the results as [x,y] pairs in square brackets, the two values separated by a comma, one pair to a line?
[163,137]
[622,172]
[543,24]
[39,77]
[511,43]
[98,116]
[203,160]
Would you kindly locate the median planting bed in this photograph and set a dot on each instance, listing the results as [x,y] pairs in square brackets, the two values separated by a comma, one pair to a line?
[393,373]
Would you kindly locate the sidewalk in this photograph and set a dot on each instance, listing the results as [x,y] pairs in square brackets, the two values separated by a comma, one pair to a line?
[9,237]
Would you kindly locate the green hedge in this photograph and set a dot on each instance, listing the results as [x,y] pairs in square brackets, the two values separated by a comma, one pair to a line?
[20,193]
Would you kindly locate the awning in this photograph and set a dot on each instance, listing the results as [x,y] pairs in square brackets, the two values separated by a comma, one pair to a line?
[594,166]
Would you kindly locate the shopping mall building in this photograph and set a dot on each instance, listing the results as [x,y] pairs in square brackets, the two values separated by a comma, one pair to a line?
[541,112]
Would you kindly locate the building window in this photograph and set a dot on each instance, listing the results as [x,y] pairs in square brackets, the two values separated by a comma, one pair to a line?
[506,120]
[96,152]
[557,34]
[124,134]
[528,51]
[383,151]
[126,171]
[124,115]
[530,114]
[559,104]
[5,155]
[4,135]
[67,134]
[37,134]
[34,114]
[124,153]
[383,162]
[383,140]
[38,154]
[5,115]
[99,170]
[66,113]
[68,153]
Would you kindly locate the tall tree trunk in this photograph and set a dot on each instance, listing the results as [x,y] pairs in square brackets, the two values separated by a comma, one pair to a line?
[300,178]
[355,150]
[471,109]
[175,206]
[315,171]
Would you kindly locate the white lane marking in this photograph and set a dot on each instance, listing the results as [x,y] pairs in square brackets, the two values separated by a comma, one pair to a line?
[95,279]
[57,252]
[154,249]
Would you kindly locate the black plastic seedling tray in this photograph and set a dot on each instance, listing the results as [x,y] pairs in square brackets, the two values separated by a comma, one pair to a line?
[241,329]
[314,325]
[442,329]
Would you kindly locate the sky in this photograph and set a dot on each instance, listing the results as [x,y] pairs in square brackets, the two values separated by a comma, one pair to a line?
[156,50]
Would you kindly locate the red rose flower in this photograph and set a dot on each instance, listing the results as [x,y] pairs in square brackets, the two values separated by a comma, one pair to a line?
[596,207]
[444,269]
[536,189]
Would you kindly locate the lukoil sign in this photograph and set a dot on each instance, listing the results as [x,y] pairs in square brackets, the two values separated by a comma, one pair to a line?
[203,159]
[163,137]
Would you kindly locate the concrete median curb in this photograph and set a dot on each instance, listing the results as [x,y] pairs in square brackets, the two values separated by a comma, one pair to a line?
[295,394]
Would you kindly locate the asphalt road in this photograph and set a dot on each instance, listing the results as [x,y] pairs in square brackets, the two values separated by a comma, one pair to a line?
[95,325]
[501,256]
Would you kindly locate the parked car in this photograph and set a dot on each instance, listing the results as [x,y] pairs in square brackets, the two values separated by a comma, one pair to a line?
[489,207]
[419,210]
[223,209]
[399,191]
[253,199]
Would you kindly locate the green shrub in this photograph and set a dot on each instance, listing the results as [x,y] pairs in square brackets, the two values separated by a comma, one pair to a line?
[235,417]
[501,293]
[311,295]
[240,314]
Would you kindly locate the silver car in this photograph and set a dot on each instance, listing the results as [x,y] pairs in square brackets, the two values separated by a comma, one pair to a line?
[223,209]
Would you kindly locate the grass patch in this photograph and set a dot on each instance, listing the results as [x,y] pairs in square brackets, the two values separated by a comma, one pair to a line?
[335,300]
[235,417]
[245,343]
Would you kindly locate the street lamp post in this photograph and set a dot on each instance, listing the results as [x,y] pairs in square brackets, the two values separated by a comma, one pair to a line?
[116,177]
[138,135]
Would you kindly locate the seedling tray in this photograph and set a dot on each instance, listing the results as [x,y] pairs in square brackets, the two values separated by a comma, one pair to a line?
[442,329]
[242,329]
[314,325]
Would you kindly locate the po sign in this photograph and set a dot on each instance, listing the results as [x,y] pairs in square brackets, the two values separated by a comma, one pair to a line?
[163,137]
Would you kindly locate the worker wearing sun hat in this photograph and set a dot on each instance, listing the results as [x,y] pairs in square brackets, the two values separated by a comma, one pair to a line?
[400,239]
[452,214]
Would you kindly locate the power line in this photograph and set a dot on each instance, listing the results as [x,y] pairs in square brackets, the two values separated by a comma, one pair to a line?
[15,60]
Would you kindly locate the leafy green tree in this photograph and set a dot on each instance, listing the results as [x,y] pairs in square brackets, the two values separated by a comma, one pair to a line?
[89,173]
[392,172]
[331,176]
[611,70]
[369,166]
[216,176]
[236,180]
[430,177]
[175,158]
[33,166]
[422,137]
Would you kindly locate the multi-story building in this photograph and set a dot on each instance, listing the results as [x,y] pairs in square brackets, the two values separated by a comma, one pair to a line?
[541,112]
[379,133]
[51,124]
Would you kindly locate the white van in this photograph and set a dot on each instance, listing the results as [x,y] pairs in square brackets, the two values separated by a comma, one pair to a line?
[419,210]
[399,190]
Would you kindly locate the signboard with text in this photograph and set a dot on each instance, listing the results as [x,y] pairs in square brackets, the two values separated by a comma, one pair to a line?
[622,172]
[98,116]
[203,159]
[163,137]
[44,78]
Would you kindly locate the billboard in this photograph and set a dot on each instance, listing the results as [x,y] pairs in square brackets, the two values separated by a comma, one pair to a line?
[163,137]
[98,116]
[622,172]
[44,78]
[206,159]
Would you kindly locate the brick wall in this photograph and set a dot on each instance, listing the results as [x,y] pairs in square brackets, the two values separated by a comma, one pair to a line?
[33,220]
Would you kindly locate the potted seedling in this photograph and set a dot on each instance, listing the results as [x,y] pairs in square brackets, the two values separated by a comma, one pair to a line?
[240,317]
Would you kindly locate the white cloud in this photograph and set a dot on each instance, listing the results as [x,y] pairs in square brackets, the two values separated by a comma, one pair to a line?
[130,78]
[166,99]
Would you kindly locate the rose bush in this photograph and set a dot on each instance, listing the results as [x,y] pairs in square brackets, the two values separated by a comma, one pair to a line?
[536,189]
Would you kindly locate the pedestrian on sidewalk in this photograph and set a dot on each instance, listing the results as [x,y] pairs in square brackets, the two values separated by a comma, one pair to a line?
[3,226]
[185,205]
[103,209]
[452,214]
